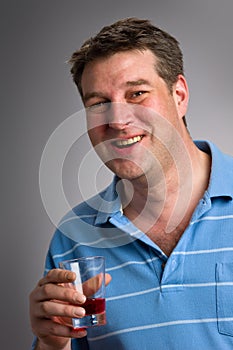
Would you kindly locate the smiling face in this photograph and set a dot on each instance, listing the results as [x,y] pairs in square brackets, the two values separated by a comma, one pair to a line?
[124,95]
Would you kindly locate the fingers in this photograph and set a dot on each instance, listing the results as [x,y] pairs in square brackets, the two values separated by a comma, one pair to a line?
[50,328]
[55,336]
[59,292]
[50,298]
[53,286]
[56,308]
[53,299]
[93,284]
[57,276]
[108,278]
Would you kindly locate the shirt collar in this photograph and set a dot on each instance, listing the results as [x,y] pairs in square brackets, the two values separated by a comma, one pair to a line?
[110,203]
[220,184]
[221,176]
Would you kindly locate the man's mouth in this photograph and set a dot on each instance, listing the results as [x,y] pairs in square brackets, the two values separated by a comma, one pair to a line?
[127,142]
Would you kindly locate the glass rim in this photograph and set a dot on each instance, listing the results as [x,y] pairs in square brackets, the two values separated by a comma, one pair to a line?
[83,258]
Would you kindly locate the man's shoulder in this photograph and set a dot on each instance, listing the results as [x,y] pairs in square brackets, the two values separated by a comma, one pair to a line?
[90,208]
[95,203]
[220,159]
[225,164]
[86,223]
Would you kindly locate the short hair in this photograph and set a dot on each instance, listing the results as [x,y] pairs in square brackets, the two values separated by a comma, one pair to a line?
[131,34]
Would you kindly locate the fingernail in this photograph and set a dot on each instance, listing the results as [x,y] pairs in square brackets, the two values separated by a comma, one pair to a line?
[80,298]
[69,276]
[79,311]
[82,334]
[79,333]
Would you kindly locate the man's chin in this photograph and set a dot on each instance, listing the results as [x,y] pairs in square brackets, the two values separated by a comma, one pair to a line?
[131,172]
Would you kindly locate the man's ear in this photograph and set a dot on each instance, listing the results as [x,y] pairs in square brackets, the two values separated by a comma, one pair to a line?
[181,95]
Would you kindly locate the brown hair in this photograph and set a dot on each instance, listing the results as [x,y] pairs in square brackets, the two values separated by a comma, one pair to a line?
[131,34]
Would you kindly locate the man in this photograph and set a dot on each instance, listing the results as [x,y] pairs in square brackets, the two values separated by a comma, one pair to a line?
[164,224]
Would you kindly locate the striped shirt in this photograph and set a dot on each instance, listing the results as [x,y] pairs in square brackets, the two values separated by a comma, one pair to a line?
[184,301]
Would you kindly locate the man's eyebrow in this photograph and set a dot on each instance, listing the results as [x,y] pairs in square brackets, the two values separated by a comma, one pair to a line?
[93,94]
[137,82]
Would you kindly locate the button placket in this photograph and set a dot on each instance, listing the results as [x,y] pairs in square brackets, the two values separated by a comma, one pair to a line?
[172,278]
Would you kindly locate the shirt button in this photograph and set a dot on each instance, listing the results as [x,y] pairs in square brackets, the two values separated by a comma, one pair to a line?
[173,265]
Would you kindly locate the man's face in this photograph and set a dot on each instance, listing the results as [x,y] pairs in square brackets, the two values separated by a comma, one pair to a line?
[124,95]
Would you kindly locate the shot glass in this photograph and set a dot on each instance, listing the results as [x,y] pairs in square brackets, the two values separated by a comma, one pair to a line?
[90,281]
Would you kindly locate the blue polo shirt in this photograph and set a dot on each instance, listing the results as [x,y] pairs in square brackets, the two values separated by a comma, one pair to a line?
[184,301]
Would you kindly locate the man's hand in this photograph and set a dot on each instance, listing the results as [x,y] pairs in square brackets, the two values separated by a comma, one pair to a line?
[50,299]
[50,302]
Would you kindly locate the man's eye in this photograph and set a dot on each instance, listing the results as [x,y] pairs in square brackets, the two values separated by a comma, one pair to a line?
[138,93]
[99,107]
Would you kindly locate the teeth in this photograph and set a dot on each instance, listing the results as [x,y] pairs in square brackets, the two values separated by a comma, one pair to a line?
[128,142]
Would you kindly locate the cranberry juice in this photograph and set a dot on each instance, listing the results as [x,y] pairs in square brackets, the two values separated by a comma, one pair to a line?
[94,306]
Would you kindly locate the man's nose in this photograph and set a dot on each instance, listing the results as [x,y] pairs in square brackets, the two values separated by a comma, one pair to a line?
[119,115]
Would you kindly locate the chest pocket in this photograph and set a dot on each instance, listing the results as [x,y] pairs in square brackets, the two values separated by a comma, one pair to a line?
[224,296]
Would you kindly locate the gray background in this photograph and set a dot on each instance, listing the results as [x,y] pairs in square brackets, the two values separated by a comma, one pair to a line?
[37,94]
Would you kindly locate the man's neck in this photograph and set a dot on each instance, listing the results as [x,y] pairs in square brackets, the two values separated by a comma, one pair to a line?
[167,205]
